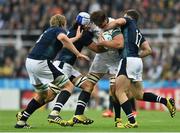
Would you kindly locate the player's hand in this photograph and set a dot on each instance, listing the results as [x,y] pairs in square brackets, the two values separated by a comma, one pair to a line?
[79,32]
[83,57]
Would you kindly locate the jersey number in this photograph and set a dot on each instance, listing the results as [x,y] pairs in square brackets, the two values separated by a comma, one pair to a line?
[39,38]
[138,38]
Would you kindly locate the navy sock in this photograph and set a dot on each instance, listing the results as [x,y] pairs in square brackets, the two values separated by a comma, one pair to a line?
[111,103]
[61,100]
[126,106]
[117,109]
[32,106]
[133,104]
[150,97]
[82,102]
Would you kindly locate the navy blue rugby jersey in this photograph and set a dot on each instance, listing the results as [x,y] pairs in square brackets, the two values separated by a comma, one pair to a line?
[133,38]
[66,55]
[47,46]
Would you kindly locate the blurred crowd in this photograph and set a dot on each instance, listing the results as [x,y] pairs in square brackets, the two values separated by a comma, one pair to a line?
[163,64]
[35,14]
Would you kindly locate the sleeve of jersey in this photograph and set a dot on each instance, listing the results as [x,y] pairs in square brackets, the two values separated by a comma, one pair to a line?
[60,30]
[87,38]
[142,40]
[116,32]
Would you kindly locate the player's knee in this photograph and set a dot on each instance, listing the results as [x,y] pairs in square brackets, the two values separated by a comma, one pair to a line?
[40,98]
[87,86]
[51,95]
[49,99]
[139,96]
[68,86]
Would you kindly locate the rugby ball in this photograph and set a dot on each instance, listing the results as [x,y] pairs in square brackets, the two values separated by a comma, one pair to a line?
[107,35]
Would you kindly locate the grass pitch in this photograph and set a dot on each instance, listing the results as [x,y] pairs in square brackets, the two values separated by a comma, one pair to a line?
[149,121]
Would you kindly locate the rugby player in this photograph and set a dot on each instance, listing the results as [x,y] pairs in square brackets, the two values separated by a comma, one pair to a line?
[130,69]
[66,58]
[44,76]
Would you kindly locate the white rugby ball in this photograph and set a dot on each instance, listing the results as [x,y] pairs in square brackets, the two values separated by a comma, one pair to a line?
[107,35]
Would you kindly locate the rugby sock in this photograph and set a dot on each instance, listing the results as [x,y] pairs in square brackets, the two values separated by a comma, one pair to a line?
[111,103]
[61,100]
[82,102]
[126,106]
[117,109]
[32,106]
[133,104]
[150,97]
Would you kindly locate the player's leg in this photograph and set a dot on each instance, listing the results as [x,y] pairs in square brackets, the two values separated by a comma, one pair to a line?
[95,96]
[109,112]
[34,71]
[133,102]
[113,65]
[151,97]
[115,103]
[61,100]
[84,97]
[42,97]
[65,93]
[122,85]
[97,70]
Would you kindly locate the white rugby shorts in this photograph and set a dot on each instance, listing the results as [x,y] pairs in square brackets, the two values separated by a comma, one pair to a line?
[42,71]
[132,67]
[106,62]
[67,69]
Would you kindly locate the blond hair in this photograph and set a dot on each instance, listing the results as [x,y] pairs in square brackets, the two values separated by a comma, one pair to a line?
[57,20]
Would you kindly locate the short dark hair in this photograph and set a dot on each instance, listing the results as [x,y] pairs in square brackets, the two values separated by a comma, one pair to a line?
[134,14]
[98,17]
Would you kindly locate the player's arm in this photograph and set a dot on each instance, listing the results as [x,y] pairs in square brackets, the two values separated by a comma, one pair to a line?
[98,49]
[117,42]
[116,23]
[145,49]
[69,45]
[79,33]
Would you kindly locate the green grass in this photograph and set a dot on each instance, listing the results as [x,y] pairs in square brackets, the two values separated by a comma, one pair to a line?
[149,121]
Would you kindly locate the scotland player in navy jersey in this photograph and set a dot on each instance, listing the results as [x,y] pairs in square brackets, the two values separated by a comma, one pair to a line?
[44,76]
[66,58]
[130,70]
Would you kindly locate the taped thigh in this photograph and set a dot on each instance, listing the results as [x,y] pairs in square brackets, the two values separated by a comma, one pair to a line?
[57,84]
[40,88]
[80,81]
[94,78]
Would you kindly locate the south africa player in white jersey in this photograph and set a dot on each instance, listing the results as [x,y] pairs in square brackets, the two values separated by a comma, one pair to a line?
[103,63]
